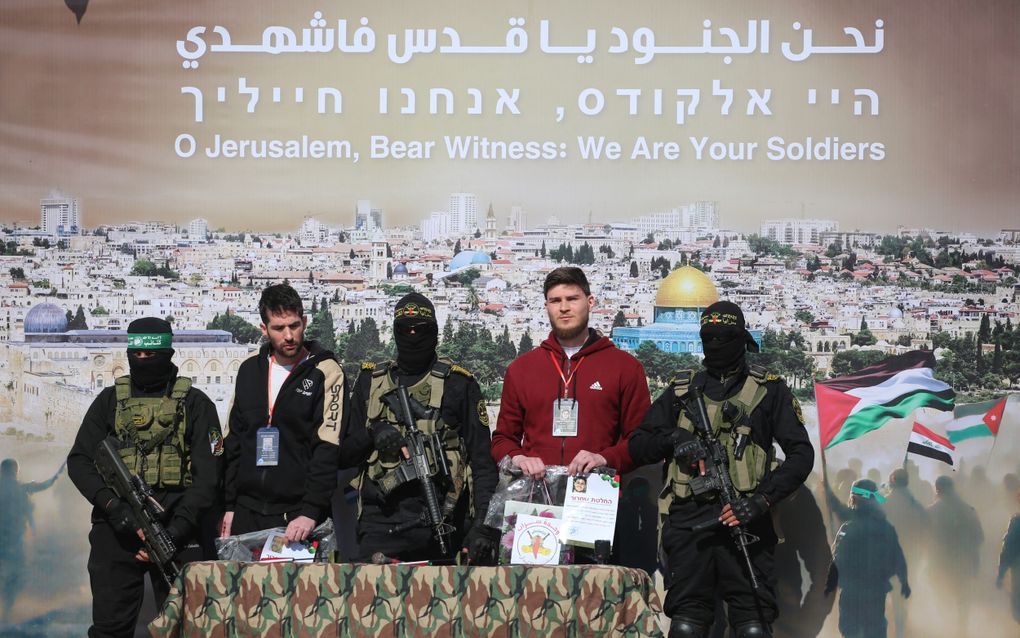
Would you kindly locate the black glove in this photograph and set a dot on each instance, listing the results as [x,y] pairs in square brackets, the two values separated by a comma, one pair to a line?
[905,590]
[120,516]
[688,452]
[386,438]
[481,543]
[749,508]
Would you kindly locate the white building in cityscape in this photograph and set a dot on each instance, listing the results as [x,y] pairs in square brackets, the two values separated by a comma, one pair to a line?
[463,211]
[518,219]
[366,218]
[312,232]
[700,215]
[791,231]
[681,220]
[437,226]
[849,239]
[59,214]
[198,230]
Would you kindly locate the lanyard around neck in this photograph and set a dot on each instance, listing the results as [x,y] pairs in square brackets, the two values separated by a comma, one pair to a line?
[269,392]
[566,380]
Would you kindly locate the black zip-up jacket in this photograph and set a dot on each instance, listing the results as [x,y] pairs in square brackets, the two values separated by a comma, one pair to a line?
[186,505]
[307,413]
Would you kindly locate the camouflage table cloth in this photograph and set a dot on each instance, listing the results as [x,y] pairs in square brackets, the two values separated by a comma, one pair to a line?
[287,599]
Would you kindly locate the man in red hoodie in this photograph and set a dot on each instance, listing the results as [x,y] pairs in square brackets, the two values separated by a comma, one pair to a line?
[573,400]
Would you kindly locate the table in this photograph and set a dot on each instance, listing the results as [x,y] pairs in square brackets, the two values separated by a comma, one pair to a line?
[228,599]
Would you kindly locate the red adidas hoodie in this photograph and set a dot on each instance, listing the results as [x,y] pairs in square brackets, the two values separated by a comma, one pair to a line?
[608,384]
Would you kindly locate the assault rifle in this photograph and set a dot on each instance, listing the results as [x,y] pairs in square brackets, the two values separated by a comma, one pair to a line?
[716,478]
[146,510]
[426,461]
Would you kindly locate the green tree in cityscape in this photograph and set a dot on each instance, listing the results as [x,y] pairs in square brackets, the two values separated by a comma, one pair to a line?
[242,331]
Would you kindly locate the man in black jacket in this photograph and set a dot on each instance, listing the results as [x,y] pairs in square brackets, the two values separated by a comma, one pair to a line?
[281,445]
[170,436]
[748,409]
[450,404]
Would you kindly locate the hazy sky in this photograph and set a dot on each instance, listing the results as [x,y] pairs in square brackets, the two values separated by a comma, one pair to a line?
[94,109]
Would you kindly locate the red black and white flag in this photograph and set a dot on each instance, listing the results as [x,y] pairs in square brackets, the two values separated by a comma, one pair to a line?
[924,442]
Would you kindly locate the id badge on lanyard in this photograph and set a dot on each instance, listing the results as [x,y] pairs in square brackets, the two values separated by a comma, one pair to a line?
[565,417]
[267,452]
[565,409]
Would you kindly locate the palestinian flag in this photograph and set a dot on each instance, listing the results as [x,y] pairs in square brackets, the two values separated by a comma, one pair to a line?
[976,420]
[856,404]
[924,442]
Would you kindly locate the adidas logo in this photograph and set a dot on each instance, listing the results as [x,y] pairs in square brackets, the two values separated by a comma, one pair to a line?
[595,386]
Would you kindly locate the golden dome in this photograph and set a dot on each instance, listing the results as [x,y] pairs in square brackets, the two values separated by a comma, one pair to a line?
[686,287]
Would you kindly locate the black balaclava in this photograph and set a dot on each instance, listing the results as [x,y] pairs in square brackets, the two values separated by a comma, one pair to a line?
[415,352]
[155,335]
[724,337]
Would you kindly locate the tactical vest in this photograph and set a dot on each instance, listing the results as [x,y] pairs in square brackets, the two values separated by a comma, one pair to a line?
[154,430]
[747,472]
[429,393]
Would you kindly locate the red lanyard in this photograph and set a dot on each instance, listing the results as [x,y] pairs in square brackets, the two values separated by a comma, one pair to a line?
[269,393]
[566,380]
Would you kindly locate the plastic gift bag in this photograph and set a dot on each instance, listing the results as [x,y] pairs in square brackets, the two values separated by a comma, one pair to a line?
[516,494]
[247,547]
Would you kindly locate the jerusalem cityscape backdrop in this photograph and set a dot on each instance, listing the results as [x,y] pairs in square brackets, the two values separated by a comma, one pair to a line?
[820,299]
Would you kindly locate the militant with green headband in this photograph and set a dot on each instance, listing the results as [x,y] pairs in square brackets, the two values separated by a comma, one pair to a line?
[867,489]
[150,341]
[149,333]
[155,336]
[151,413]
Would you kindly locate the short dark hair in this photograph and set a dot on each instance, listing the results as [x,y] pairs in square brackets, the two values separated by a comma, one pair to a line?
[278,299]
[568,275]
[899,477]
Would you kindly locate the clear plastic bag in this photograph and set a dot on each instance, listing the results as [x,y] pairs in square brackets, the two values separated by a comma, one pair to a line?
[514,486]
[243,546]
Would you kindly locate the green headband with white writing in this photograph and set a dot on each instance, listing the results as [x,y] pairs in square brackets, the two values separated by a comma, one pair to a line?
[860,491]
[159,341]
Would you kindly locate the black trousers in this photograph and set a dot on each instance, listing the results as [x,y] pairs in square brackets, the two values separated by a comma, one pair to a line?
[705,565]
[118,582]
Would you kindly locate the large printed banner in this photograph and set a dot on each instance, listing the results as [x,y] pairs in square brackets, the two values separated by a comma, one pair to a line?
[255,115]
[249,114]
